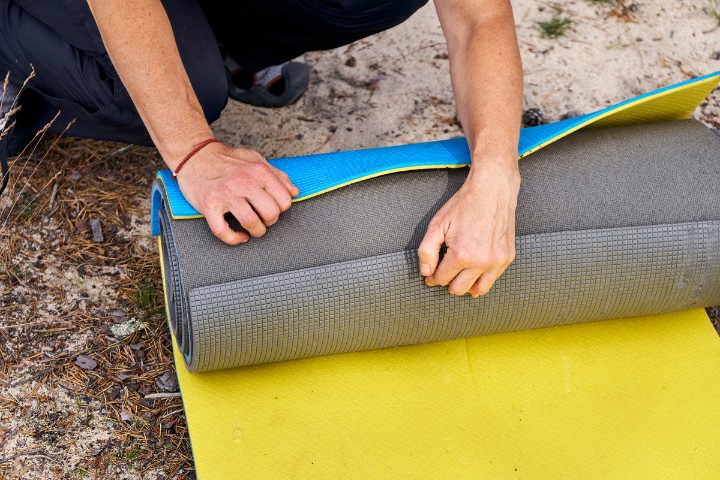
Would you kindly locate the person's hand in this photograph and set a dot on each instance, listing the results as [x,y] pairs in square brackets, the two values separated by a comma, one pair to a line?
[477,225]
[221,179]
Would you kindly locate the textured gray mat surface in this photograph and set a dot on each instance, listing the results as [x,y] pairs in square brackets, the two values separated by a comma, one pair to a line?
[611,223]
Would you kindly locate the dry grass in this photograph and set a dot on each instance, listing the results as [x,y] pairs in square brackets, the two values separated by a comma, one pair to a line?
[61,291]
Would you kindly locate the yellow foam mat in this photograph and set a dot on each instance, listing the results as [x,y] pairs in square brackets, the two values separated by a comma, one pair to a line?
[676,102]
[623,399]
[633,398]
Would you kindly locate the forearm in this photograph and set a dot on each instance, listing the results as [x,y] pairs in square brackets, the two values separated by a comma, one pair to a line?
[486,75]
[477,224]
[140,41]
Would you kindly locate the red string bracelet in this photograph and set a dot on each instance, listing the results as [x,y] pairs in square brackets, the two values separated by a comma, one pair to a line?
[195,150]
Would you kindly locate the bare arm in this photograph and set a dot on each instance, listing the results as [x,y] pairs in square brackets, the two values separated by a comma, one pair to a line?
[219,179]
[478,223]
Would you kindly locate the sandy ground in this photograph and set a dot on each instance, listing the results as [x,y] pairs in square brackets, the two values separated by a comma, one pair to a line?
[60,420]
[395,87]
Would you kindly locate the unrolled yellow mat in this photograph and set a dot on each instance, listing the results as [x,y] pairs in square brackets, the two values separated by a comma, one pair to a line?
[623,399]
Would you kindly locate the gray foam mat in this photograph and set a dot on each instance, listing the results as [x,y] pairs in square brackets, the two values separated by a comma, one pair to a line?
[611,223]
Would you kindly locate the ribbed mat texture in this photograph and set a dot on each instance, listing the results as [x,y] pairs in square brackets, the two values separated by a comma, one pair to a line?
[612,223]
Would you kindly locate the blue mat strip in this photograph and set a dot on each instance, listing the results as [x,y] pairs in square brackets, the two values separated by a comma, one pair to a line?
[314,174]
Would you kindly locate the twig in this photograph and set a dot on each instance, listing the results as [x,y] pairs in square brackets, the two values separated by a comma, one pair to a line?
[172,413]
[52,195]
[34,451]
[151,396]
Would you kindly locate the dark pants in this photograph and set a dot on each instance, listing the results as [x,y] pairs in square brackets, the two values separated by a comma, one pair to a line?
[74,74]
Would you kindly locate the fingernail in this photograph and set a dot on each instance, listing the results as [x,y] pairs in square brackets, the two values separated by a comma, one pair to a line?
[425,269]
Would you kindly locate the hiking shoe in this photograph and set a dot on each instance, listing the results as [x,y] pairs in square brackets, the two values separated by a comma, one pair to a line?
[275,86]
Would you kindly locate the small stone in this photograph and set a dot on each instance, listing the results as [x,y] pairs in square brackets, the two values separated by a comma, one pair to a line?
[441,56]
[97,451]
[350,62]
[715,55]
[119,316]
[116,392]
[85,362]
[532,117]
[633,7]
[125,416]
[97,235]
[125,329]
[139,355]
[571,114]
[82,227]
[167,382]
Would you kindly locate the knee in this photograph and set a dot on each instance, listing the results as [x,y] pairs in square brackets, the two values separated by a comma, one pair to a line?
[206,70]
[210,86]
[374,15]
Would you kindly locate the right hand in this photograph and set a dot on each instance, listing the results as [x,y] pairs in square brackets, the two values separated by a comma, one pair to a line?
[220,179]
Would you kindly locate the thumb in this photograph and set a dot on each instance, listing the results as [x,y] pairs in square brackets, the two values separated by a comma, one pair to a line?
[429,249]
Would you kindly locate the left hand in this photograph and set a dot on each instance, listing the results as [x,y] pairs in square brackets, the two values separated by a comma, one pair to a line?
[477,225]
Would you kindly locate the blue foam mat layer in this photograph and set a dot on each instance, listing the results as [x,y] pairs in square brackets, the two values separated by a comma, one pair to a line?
[314,174]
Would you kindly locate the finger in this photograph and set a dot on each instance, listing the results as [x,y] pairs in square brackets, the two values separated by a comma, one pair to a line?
[285,180]
[249,219]
[429,249]
[464,281]
[278,191]
[221,229]
[430,281]
[448,268]
[265,206]
[485,283]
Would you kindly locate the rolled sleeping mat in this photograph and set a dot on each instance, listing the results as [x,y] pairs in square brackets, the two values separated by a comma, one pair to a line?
[611,223]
